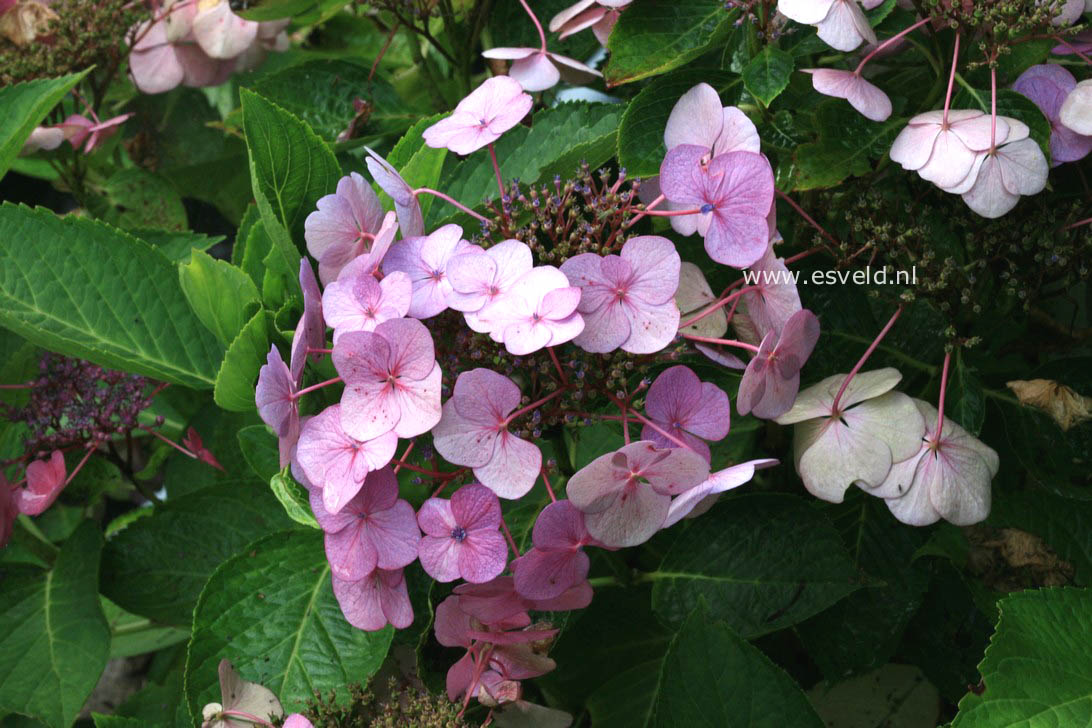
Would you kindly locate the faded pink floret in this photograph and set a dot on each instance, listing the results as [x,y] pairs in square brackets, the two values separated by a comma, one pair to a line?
[296,720]
[498,604]
[374,529]
[346,225]
[862,95]
[774,298]
[599,15]
[700,499]
[772,378]
[482,117]
[356,301]
[537,69]
[539,310]
[733,192]
[424,260]
[841,23]
[45,481]
[167,54]
[220,32]
[334,462]
[462,536]
[557,561]
[1005,174]
[479,283]
[473,431]
[81,131]
[1048,85]
[392,380]
[627,300]
[690,409]
[310,332]
[625,495]
[406,206]
[371,603]
[945,154]
[277,404]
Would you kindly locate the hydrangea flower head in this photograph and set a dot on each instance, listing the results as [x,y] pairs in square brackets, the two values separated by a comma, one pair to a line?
[424,260]
[1048,85]
[539,310]
[772,377]
[482,117]
[479,284]
[690,409]
[356,301]
[945,151]
[627,300]
[347,224]
[462,536]
[557,561]
[862,95]
[473,431]
[537,69]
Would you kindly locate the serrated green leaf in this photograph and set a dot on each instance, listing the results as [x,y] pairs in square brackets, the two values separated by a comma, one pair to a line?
[157,566]
[259,447]
[273,9]
[88,290]
[293,497]
[220,294]
[25,105]
[290,165]
[1037,669]
[641,130]
[54,641]
[115,721]
[768,73]
[968,402]
[134,635]
[847,142]
[271,611]
[762,562]
[136,198]
[176,245]
[655,37]
[238,376]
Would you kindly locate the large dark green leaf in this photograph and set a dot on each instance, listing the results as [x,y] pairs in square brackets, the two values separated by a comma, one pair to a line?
[847,143]
[54,641]
[768,73]
[271,611]
[761,562]
[157,566]
[25,105]
[88,290]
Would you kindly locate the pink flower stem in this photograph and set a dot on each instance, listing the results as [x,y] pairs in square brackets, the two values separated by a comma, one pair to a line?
[450,201]
[834,411]
[405,454]
[806,216]
[383,50]
[508,537]
[496,168]
[28,385]
[557,364]
[993,108]
[535,404]
[80,464]
[719,304]
[169,441]
[642,213]
[951,82]
[940,402]
[673,213]
[549,488]
[538,25]
[801,256]
[724,342]
[625,424]
[644,420]
[319,351]
[245,716]
[732,310]
[1072,48]
[1077,224]
[889,42]
[431,473]
[313,387]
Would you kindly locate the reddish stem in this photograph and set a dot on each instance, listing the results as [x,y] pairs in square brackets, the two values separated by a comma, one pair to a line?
[724,342]
[801,256]
[561,372]
[673,213]
[313,387]
[1074,49]
[1086,221]
[319,351]
[642,213]
[28,385]
[496,169]
[533,405]
[169,441]
[715,306]
[940,404]
[449,200]
[834,411]
[79,465]
[951,82]
[549,489]
[644,420]
[538,25]
[383,51]
[993,109]
[405,454]
[889,42]
[508,537]
[806,216]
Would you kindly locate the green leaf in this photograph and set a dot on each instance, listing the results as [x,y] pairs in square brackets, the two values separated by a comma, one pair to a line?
[54,641]
[221,295]
[968,401]
[88,290]
[1064,524]
[290,165]
[641,131]
[25,105]
[115,721]
[655,37]
[273,9]
[712,677]
[271,611]
[293,497]
[176,245]
[846,143]
[762,562]
[1037,669]
[134,635]
[136,198]
[259,447]
[768,73]
[238,377]
[158,564]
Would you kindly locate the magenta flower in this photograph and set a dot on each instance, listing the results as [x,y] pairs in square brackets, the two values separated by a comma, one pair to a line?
[371,603]
[356,301]
[406,206]
[424,260]
[734,193]
[944,154]
[700,499]
[1048,85]
[841,23]
[537,69]
[334,462]
[690,409]
[599,15]
[45,481]
[772,377]
[479,119]
[625,495]
[539,310]
[473,431]
[1003,175]
[865,97]
[347,224]
[775,299]
[78,129]
[310,332]
[297,720]
[374,529]
[1076,111]
[392,380]
[627,300]
[462,537]
[557,562]
[479,283]
[277,403]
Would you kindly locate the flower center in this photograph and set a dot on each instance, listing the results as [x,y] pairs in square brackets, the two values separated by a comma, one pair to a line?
[706,208]
[459,534]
